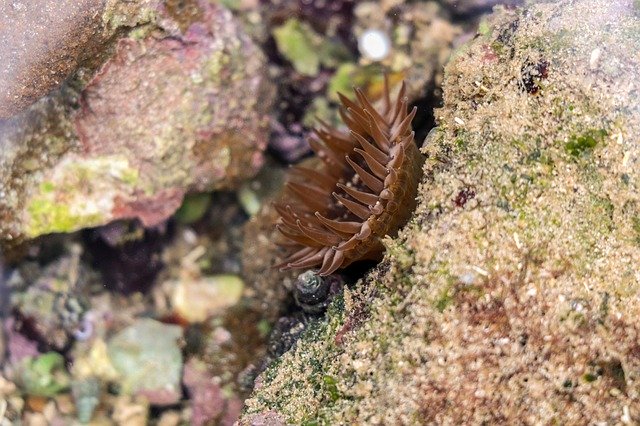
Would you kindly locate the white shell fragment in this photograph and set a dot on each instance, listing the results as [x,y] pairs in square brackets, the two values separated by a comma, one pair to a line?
[374,44]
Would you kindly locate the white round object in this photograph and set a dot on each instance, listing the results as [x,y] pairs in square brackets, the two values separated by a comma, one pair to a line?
[374,44]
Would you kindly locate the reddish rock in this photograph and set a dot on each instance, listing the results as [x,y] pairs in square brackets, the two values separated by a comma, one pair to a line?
[207,401]
[180,107]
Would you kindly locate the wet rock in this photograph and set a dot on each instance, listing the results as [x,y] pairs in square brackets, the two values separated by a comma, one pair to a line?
[208,402]
[50,307]
[269,418]
[466,7]
[128,411]
[512,294]
[19,346]
[198,299]
[285,334]
[42,43]
[168,113]
[44,375]
[148,359]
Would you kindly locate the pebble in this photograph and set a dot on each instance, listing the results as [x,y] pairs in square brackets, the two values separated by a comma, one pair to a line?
[196,300]
[374,44]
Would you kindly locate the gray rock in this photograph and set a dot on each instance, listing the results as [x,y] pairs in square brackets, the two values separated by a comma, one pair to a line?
[42,42]
[149,361]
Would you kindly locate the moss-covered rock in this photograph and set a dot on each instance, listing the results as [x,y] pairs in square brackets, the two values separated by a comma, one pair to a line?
[512,295]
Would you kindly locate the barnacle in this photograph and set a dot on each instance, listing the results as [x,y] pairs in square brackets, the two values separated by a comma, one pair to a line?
[366,188]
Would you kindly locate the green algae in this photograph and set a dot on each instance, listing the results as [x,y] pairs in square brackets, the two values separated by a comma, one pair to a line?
[445,299]
[331,387]
[579,145]
[297,42]
[79,184]
[349,75]
[306,49]
[44,375]
[636,229]
[119,14]
[47,217]
[193,208]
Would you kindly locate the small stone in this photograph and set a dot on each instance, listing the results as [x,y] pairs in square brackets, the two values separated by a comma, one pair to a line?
[249,200]
[129,412]
[594,58]
[149,361]
[374,44]
[197,300]
[94,362]
[86,393]
[193,208]
[170,418]
[44,375]
[208,402]
[19,346]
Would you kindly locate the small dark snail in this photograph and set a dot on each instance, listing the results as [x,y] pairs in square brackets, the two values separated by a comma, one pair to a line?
[313,292]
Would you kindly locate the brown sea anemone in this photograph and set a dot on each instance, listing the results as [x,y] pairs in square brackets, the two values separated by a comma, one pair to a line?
[365,188]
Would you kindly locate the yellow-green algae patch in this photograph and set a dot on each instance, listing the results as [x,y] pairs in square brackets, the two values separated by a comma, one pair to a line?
[512,296]
[78,195]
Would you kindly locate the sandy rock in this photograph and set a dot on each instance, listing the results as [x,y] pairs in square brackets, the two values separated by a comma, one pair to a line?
[179,110]
[512,295]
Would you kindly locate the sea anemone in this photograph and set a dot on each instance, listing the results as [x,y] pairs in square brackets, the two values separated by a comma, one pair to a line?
[364,189]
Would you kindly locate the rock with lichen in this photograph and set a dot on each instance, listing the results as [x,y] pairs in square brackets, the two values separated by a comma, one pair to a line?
[179,106]
[512,295]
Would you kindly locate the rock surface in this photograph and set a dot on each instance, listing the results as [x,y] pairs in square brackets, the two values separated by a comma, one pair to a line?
[148,358]
[44,42]
[180,106]
[512,295]
[465,7]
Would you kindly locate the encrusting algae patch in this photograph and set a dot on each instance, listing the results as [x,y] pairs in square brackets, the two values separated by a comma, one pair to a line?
[512,295]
